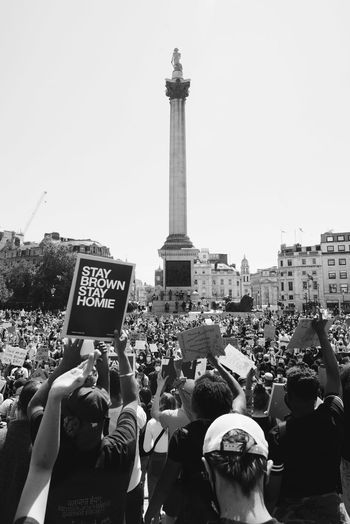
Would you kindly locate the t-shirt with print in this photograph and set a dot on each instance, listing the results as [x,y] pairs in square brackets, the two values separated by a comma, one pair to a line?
[90,487]
[307,450]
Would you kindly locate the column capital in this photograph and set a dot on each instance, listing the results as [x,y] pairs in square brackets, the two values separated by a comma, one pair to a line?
[177,88]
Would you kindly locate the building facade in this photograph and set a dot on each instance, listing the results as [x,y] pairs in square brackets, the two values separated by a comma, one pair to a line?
[300,277]
[264,287]
[13,250]
[245,278]
[335,248]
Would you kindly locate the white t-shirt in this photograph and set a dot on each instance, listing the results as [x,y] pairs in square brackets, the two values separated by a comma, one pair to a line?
[141,421]
[153,429]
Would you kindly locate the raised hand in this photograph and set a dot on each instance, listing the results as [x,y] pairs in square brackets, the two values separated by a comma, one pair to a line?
[72,379]
[120,341]
[71,353]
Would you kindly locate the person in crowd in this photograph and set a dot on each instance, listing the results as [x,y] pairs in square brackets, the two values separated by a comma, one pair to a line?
[159,448]
[33,502]
[345,460]
[235,454]
[213,395]
[306,448]
[92,472]
[15,455]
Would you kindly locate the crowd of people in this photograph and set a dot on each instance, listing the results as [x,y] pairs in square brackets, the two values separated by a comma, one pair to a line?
[99,437]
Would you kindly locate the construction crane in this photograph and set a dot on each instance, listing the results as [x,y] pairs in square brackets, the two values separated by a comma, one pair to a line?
[40,201]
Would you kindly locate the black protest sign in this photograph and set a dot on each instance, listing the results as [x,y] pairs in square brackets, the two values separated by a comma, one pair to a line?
[98,298]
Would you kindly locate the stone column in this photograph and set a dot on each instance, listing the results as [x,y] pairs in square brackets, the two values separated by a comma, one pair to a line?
[177,169]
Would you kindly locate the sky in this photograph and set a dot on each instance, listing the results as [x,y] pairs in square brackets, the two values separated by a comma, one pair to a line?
[84,116]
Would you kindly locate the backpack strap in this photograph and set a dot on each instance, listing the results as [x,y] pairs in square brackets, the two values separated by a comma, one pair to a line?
[146,453]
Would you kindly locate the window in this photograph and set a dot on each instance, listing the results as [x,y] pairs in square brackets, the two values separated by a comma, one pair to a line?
[330,249]
[282,286]
[315,285]
[290,273]
[331,261]
[303,273]
[340,238]
[329,239]
[282,297]
[314,272]
[281,263]
[196,281]
[341,248]
[315,298]
[332,288]
[290,297]
[237,282]
[230,292]
[342,261]
[289,262]
[314,260]
[304,284]
[221,282]
[343,274]
[303,261]
[290,286]
[282,274]
[332,276]
[203,282]
[214,282]
[344,288]
[230,281]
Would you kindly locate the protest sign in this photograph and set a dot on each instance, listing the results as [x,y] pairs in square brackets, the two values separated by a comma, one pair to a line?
[42,354]
[236,361]
[277,406]
[304,335]
[199,341]
[14,356]
[269,332]
[194,369]
[5,325]
[153,348]
[98,298]
[140,345]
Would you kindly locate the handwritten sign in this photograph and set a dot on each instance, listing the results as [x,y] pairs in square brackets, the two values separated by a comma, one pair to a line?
[153,348]
[42,354]
[199,341]
[140,345]
[13,356]
[304,335]
[269,332]
[236,361]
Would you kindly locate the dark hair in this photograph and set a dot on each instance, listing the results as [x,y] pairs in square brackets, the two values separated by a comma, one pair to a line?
[260,397]
[302,382]
[167,401]
[145,395]
[211,397]
[28,391]
[246,470]
[114,383]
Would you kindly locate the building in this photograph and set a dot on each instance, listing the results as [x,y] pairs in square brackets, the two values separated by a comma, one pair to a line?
[335,248]
[13,249]
[216,280]
[300,277]
[264,287]
[245,278]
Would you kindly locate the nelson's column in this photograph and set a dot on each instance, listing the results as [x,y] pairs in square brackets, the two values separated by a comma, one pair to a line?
[178,252]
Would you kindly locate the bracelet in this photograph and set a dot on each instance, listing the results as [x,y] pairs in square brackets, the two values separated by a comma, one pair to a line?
[126,374]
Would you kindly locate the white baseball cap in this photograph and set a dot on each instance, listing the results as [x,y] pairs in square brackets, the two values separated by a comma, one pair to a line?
[235,433]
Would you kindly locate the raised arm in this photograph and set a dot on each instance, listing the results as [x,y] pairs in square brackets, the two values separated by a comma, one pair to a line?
[45,450]
[333,384]
[128,384]
[71,359]
[239,401]
[161,381]
[102,366]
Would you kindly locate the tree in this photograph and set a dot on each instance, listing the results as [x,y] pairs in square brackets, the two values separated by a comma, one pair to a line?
[53,277]
[5,293]
[19,281]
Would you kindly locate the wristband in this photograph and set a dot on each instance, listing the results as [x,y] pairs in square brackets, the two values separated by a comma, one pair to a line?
[126,375]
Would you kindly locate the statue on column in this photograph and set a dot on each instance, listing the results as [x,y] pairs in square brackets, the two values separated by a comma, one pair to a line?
[175,61]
